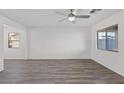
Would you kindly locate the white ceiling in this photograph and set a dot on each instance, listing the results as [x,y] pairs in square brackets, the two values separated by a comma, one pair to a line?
[42,17]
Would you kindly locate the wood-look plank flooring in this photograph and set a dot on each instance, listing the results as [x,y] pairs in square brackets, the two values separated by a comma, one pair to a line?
[57,72]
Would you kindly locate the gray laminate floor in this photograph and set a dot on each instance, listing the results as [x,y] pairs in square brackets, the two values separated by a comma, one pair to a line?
[57,72]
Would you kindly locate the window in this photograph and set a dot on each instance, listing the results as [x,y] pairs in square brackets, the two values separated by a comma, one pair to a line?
[13,40]
[107,39]
[101,40]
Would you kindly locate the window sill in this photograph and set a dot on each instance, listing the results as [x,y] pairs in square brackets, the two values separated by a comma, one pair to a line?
[109,50]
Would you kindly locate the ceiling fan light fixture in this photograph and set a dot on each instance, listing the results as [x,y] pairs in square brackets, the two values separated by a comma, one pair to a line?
[71,18]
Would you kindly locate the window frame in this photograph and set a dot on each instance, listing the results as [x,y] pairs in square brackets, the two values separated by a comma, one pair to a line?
[108,29]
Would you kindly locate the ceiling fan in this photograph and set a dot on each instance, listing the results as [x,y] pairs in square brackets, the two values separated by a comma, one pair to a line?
[73,15]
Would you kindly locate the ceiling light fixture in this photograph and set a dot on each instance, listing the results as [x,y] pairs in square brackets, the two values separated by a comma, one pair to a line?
[71,17]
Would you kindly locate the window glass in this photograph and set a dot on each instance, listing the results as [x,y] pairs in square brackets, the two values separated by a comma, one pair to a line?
[102,40]
[112,44]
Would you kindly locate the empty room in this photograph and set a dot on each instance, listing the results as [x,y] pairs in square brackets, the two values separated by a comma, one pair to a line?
[61,46]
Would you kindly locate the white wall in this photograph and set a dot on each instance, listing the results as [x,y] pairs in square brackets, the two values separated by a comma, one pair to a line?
[4,20]
[59,43]
[112,60]
[1,48]
[15,53]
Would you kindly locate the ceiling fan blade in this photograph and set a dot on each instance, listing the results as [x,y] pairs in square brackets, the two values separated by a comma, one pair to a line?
[82,16]
[95,10]
[62,19]
[60,13]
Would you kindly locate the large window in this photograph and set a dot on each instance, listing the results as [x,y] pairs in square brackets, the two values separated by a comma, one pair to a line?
[13,40]
[107,39]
